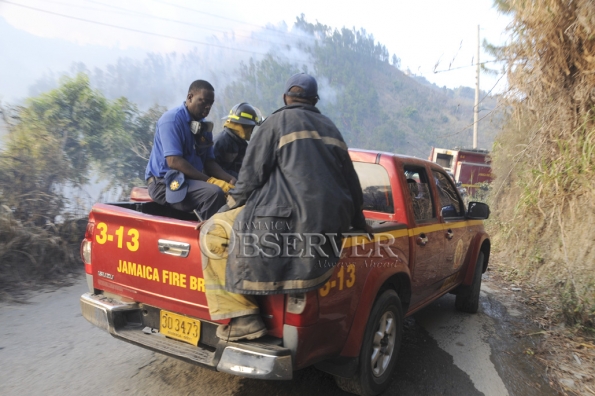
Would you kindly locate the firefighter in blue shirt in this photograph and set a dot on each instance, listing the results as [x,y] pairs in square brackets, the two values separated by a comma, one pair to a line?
[182,171]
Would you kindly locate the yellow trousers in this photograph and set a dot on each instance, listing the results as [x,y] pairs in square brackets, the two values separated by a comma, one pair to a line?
[215,236]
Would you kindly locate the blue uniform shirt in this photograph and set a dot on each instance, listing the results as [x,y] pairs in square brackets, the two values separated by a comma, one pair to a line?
[174,137]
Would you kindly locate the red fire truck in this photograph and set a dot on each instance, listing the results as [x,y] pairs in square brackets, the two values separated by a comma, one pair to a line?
[469,167]
[146,283]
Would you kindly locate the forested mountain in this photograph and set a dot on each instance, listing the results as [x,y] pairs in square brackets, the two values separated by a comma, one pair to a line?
[374,104]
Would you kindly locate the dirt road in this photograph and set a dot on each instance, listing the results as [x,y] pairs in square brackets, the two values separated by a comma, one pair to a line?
[47,347]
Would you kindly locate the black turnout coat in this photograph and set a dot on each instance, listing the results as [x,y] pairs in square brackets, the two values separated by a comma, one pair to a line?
[296,180]
[230,150]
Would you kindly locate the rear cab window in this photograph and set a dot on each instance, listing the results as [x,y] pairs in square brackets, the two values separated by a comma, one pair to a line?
[375,182]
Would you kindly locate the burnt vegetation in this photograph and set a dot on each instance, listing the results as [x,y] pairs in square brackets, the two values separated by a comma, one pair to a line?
[55,144]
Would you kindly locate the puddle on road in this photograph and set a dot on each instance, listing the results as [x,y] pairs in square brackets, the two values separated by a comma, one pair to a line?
[512,356]
[485,346]
[423,368]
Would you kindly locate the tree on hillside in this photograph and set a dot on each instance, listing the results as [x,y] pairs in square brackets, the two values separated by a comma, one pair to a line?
[341,59]
[356,110]
[260,83]
[59,138]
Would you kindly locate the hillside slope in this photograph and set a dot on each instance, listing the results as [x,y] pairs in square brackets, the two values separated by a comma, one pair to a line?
[375,105]
[425,115]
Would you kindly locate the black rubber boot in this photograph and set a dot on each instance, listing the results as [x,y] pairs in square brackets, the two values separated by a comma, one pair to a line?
[247,327]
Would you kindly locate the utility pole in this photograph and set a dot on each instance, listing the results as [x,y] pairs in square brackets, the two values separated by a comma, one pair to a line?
[476,108]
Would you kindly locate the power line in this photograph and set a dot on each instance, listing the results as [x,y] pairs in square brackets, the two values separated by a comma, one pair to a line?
[470,125]
[194,25]
[222,17]
[132,12]
[463,67]
[490,91]
[145,32]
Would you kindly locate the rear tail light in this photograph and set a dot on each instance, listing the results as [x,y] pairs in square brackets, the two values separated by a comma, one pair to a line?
[296,303]
[89,230]
[86,252]
[86,248]
[302,309]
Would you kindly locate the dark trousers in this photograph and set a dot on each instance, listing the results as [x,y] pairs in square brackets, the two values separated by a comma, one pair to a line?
[205,197]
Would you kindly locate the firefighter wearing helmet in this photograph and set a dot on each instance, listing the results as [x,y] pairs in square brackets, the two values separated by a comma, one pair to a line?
[231,143]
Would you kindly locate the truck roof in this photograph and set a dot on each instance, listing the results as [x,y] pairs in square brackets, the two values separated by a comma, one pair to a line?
[367,155]
[464,150]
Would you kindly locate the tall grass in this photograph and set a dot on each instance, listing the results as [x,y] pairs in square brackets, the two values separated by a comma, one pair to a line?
[544,194]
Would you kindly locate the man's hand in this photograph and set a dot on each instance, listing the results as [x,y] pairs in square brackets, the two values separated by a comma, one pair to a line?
[213,169]
[224,185]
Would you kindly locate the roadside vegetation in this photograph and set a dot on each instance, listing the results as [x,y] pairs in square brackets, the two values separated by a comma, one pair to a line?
[56,142]
[543,197]
[544,160]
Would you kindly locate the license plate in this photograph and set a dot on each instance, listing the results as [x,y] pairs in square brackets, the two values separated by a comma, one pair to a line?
[179,327]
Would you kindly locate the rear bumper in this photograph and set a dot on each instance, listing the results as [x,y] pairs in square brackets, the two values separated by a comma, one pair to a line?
[123,320]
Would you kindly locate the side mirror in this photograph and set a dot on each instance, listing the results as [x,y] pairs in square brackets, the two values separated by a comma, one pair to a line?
[478,211]
[448,211]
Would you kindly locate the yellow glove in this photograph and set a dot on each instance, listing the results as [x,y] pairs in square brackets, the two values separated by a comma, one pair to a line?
[218,182]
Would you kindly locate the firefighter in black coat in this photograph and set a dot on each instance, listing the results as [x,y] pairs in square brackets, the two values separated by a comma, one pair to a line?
[231,143]
[297,182]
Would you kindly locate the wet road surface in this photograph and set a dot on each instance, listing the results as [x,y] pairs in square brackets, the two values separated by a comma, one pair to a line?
[47,347]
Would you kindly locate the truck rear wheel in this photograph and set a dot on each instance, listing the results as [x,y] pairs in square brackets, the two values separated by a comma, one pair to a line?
[467,299]
[380,347]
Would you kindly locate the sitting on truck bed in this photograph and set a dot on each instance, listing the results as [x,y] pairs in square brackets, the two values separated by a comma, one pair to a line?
[183,151]
[297,176]
[231,143]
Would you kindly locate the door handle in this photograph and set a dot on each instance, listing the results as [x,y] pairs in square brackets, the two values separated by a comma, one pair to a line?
[422,239]
[449,234]
[173,248]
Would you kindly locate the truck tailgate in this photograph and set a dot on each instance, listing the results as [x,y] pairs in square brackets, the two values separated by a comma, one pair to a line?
[150,259]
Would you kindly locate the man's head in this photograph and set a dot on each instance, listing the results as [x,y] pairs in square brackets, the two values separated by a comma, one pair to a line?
[201,96]
[242,119]
[301,88]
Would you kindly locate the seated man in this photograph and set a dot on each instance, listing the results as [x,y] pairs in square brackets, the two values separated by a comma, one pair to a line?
[231,143]
[297,181]
[182,171]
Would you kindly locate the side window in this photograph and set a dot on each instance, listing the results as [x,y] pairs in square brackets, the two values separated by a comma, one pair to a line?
[419,191]
[378,195]
[449,200]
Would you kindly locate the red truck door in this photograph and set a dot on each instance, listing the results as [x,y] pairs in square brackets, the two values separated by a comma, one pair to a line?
[455,227]
[426,237]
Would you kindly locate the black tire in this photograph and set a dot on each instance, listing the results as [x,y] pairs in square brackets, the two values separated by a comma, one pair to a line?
[381,344]
[467,299]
